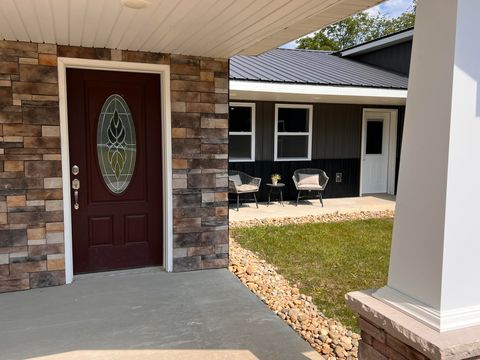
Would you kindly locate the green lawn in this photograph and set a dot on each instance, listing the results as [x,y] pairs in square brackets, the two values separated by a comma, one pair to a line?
[326,260]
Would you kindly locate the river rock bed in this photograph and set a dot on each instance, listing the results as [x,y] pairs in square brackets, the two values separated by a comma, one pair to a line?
[327,336]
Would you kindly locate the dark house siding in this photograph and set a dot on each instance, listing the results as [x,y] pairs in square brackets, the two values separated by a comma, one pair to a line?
[336,148]
[264,130]
[395,57]
[263,169]
[401,121]
[337,130]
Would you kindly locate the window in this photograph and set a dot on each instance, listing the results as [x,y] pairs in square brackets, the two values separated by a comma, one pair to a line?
[374,136]
[293,132]
[116,144]
[241,136]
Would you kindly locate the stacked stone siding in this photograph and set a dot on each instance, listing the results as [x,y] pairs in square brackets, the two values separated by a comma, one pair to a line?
[376,344]
[199,91]
[31,227]
[31,213]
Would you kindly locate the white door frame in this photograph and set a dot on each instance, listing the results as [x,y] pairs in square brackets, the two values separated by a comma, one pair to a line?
[164,72]
[392,147]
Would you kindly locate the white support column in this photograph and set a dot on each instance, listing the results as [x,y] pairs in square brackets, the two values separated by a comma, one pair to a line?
[435,261]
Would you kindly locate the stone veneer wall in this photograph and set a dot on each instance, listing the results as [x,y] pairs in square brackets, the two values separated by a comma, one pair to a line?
[376,344]
[31,213]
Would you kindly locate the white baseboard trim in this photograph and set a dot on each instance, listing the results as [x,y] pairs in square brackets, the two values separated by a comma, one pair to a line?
[440,321]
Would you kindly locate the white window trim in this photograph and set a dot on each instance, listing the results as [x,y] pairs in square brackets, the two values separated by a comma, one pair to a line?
[310,127]
[251,133]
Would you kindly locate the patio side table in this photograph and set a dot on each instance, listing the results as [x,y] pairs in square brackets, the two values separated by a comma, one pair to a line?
[279,188]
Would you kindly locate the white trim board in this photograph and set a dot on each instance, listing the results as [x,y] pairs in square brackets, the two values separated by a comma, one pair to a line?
[439,320]
[392,147]
[265,91]
[309,107]
[164,72]
[252,107]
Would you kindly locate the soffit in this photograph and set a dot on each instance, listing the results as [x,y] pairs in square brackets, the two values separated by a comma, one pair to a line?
[213,28]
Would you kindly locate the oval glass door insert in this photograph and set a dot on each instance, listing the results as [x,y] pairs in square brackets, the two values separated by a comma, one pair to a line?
[116,144]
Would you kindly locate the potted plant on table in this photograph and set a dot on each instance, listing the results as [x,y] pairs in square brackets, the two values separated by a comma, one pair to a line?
[275,178]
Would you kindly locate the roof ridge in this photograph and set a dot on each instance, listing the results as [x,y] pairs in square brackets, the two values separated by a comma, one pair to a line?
[306,50]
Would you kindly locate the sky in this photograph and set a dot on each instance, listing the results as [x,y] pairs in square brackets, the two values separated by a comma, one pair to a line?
[389,8]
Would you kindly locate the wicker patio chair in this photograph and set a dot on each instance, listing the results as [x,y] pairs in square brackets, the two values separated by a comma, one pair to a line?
[307,180]
[241,183]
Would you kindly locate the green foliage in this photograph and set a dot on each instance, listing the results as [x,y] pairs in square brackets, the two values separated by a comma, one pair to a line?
[326,260]
[357,29]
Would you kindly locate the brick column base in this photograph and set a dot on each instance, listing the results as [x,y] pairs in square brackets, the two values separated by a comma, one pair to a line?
[376,344]
[389,334]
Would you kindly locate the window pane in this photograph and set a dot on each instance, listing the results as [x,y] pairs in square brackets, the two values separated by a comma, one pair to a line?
[292,146]
[240,119]
[116,144]
[292,120]
[374,137]
[240,147]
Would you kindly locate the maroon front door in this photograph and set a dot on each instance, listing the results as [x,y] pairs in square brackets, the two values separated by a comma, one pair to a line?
[114,122]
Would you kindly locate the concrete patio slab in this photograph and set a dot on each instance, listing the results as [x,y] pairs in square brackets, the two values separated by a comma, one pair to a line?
[248,211]
[146,314]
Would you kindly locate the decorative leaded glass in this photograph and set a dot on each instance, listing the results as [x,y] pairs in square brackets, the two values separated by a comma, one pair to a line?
[116,144]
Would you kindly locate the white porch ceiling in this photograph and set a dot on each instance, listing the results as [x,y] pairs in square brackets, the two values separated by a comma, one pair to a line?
[215,28]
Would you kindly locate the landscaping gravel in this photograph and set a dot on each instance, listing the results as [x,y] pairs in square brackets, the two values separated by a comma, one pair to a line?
[327,336]
[335,217]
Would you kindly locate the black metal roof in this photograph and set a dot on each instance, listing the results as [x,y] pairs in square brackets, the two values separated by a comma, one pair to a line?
[313,67]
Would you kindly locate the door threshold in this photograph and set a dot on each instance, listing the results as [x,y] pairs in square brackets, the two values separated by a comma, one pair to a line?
[384,196]
[111,273]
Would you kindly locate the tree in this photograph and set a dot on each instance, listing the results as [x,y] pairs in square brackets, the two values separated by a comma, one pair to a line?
[357,29]
[402,22]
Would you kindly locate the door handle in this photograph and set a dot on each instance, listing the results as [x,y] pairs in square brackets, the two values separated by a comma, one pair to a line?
[75,187]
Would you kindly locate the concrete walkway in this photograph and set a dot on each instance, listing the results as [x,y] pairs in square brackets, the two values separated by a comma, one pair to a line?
[248,211]
[146,314]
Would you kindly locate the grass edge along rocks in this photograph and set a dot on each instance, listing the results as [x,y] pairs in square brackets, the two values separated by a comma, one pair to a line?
[311,219]
[327,336]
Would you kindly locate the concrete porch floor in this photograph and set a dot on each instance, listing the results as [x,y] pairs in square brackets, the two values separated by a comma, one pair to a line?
[146,314]
[248,211]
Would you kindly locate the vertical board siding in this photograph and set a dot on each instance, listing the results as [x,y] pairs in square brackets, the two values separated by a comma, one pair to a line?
[350,168]
[264,132]
[395,57]
[336,148]
[337,131]
[401,121]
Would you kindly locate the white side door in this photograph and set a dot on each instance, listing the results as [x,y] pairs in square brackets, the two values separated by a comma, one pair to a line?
[375,151]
